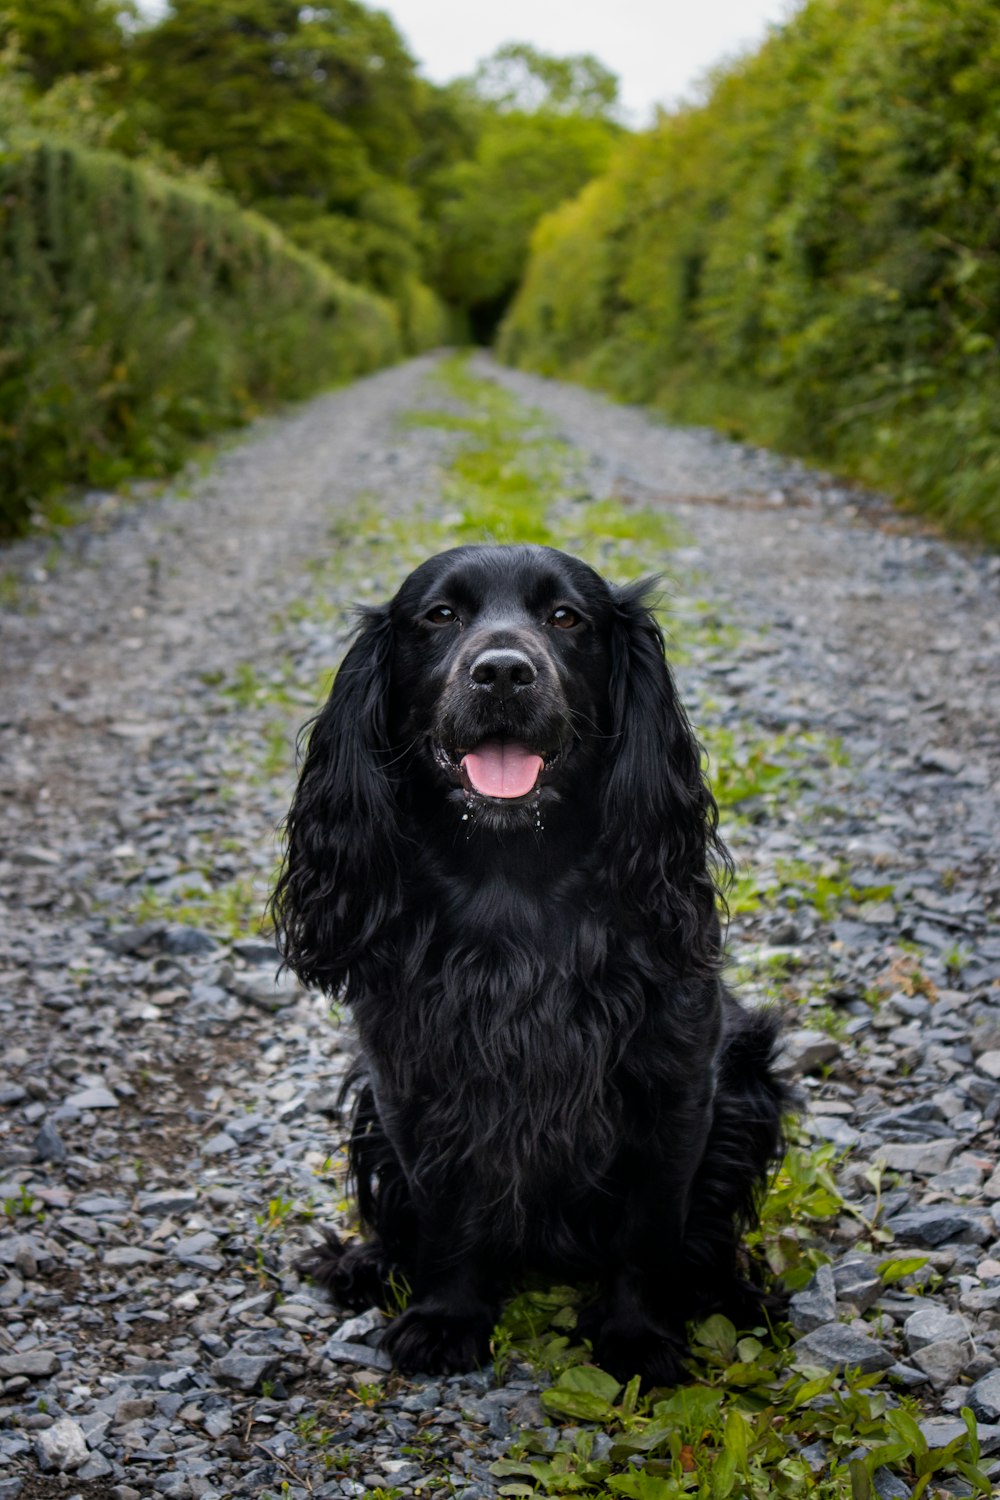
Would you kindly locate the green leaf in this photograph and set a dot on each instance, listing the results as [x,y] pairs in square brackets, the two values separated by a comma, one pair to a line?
[723,1475]
[589,1378]
[968,1417]
[749,1349]
[900,1421]
[974,1475]
[861,1484]
[734,1439]
[639,1485]
[630,1399]
[813,1388]
[747,1375]
[897,1268]
[717,1334]
[689,1411]
[582,1405]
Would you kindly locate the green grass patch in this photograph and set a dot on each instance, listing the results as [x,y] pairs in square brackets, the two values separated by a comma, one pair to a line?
[231,910]
[740,1427]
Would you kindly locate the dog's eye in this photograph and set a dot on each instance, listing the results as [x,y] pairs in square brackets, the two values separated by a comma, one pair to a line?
[441,615]
[564,617]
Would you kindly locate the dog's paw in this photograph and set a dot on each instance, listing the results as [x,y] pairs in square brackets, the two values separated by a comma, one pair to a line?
[626,1350]
[747,1305]
[590,1319]
[355,1276]
[431,1341]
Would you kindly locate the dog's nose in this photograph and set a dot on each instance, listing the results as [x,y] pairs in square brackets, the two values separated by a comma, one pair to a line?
[503,671]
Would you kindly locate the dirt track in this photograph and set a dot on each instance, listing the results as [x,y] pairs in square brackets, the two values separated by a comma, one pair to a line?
[155,662]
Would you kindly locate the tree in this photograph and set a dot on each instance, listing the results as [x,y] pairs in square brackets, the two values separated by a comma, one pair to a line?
[519,77]
[313,102]
[545,129]
[59,37]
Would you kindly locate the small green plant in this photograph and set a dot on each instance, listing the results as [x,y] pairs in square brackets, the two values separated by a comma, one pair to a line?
[278,1210]
[956,958]
[10,590]
[231,909]
[24,1205]
[369,1394]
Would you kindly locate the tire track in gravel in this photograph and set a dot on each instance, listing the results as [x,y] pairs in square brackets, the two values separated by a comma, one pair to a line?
[168,1115]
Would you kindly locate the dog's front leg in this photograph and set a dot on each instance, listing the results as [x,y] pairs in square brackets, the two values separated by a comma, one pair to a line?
[447,1325]
[640,1325]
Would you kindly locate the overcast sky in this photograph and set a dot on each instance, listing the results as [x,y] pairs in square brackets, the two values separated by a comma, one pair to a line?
[658,48]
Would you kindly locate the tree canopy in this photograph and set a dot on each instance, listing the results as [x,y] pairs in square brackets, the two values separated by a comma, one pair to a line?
[317,116]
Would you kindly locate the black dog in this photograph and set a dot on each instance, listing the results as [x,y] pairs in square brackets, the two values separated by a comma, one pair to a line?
[502,850]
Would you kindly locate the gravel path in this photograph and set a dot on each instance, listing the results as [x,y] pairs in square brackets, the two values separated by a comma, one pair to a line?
[168,1121]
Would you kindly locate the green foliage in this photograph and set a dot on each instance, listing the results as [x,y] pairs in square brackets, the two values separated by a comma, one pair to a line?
[232,910]
[811,258]
[138,314]
[486,207]
[520,78]
[738,1430]
[313,116]
[62,37]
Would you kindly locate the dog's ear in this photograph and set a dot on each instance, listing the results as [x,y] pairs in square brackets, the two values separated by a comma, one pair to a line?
[659,818]
[340,880]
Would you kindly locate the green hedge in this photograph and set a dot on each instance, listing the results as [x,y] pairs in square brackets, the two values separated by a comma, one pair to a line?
[138,313]
[810,259]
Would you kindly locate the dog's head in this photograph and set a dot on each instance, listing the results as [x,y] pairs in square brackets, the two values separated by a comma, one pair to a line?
[514,690]
[499,682]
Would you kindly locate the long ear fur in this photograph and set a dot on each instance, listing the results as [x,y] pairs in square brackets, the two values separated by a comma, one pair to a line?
[660,820]
[340,880]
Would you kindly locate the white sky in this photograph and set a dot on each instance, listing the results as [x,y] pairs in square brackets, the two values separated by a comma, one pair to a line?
[659,48]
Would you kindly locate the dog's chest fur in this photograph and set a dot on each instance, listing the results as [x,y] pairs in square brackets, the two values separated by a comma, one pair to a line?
[521,1061]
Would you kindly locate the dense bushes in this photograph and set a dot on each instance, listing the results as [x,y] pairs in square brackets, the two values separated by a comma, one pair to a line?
[137,313]
[811,258]
[488,206]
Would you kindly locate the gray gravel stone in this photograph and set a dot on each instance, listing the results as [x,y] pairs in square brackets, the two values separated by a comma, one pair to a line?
[166,1201]
[36,1364]
[940,1224]
[48,1144]
[838,1347]
[61,1448]
[816,1305]
[855,1282]
[943,1362]
[804,1051]
[924,1159]
[984,1398]
[889,1486]
[124,1256]
[930,1324]
[95,1098]
[244,1372]
[344,1353]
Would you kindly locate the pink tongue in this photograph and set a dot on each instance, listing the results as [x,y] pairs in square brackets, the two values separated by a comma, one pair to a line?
[502,768]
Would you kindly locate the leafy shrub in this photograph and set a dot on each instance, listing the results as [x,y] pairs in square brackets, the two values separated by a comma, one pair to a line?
[811,258]
[138,313]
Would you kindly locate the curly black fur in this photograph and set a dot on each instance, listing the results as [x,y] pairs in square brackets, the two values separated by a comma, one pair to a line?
[554,1077]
